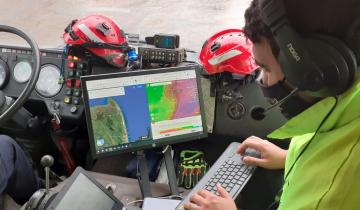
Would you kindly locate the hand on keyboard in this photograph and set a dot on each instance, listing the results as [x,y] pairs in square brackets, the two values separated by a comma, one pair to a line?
[272,156]
[205,200]
[231,172]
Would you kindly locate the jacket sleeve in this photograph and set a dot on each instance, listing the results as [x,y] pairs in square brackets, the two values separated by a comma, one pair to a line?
[6,163]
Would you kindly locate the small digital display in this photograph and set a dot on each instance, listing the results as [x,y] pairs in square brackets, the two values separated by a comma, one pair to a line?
[139,110]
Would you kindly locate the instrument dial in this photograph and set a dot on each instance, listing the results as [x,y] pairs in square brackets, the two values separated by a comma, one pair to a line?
[48,82]
[22,71]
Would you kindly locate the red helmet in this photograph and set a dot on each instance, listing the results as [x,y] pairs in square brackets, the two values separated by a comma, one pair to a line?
[100,35]
[228,50]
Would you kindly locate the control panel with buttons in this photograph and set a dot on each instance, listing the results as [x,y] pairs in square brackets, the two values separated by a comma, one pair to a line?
[58,87]
[76,67]
[162,56]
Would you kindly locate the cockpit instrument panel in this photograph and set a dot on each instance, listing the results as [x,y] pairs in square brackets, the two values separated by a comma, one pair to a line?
[49,83]
[58,85]
[22,71]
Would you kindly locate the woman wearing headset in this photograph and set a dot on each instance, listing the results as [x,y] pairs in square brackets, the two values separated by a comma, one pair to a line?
[322,164]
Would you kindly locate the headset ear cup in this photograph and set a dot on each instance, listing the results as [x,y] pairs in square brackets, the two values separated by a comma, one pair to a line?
[332,65]
[345,51]
[335,68]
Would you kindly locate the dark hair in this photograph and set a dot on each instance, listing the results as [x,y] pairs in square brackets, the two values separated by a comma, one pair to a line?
[332,17]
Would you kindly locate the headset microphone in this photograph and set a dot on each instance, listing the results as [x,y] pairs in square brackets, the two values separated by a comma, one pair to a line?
[259,113]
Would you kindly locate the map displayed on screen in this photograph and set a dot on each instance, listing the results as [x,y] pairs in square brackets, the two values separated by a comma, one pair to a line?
[121,119]
[173,100]
[125,111]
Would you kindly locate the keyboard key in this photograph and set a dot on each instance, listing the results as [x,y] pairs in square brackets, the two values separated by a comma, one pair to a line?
[234,190]
[248,171]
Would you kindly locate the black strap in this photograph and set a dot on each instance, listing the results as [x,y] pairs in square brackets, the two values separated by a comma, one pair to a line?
[125,47]
[69,30]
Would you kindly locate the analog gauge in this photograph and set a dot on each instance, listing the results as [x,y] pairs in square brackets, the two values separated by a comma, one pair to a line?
[4,74]
[22,71]
[48,82]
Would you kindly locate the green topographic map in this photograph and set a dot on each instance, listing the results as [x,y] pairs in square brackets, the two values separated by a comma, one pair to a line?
[108,123]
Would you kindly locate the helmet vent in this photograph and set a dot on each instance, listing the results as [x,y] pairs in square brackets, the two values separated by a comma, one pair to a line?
[215,46]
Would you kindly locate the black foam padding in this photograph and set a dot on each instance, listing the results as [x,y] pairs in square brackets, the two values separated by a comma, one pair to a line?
[332,65]
[345,51]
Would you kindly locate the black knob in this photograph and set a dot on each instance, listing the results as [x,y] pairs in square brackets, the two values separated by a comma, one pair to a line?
[257,113]
[47,161]
[236,110]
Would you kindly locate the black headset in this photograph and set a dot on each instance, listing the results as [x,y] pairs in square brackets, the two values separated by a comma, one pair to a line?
[320,64]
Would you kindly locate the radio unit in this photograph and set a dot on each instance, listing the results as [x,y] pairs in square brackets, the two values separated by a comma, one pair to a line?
[162,56]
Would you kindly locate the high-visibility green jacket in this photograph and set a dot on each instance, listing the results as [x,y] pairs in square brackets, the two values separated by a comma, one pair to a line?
[322,168]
